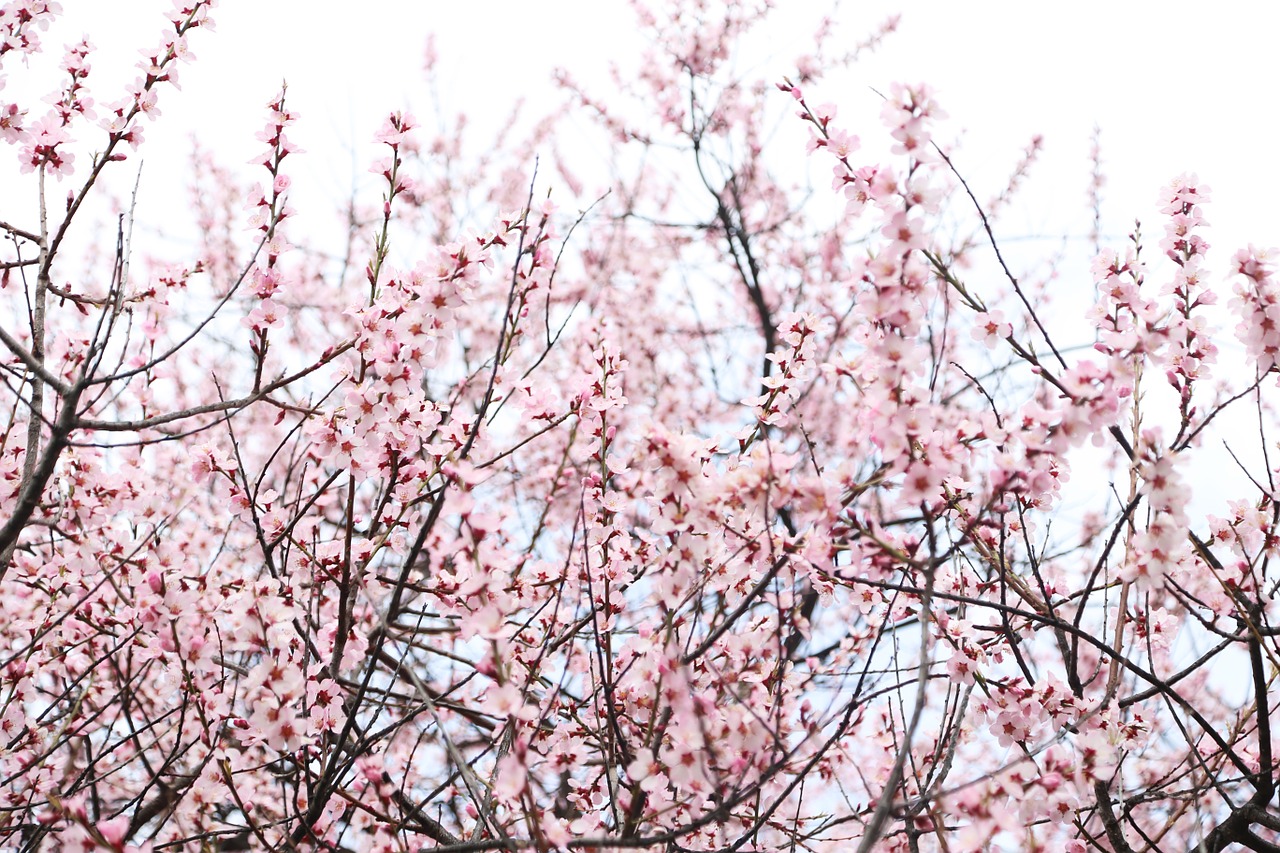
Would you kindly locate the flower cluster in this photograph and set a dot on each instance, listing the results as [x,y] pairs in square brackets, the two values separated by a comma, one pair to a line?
[268,209]
[1257,302]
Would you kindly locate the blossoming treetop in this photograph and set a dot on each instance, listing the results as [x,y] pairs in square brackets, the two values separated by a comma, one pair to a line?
[694,520]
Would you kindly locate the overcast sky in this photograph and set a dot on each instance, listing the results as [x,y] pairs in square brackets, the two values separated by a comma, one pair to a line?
[1175,86]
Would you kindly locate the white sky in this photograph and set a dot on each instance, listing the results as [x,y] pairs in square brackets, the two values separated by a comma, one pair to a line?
[1174,85]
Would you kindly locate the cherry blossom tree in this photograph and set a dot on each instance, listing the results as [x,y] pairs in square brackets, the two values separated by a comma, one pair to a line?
[717,511]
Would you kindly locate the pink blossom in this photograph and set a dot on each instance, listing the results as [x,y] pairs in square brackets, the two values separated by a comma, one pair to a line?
[11,127]
[991,328]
